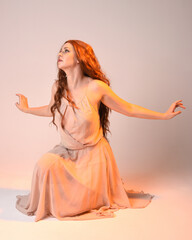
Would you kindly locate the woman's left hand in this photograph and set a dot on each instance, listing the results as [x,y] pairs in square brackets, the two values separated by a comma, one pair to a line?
[170,112]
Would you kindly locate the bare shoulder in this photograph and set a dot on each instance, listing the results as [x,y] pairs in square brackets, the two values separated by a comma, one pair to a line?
[98,87]
[95,92]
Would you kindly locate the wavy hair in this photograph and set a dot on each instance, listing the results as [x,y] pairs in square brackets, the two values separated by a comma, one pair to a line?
[90,67]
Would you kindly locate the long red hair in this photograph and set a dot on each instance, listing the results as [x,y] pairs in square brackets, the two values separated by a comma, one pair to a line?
[90,67]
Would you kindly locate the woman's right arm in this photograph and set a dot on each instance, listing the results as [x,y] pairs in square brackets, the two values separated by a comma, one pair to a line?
[44,111]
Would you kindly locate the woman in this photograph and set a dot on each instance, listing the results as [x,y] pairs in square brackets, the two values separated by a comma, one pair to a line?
[79,179]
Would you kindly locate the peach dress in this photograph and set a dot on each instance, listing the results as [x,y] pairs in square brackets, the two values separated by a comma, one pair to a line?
[78,179]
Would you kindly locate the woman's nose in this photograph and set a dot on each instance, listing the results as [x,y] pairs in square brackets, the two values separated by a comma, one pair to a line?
[60,53]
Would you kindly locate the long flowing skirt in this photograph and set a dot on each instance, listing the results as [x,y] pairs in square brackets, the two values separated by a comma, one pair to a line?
[78,185]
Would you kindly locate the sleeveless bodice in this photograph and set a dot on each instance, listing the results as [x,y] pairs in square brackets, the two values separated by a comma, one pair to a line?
[81,126]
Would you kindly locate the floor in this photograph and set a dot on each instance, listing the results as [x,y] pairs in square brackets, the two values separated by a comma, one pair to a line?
[167,217]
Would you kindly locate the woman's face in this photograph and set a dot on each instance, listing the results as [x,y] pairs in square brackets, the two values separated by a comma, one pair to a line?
[66,57]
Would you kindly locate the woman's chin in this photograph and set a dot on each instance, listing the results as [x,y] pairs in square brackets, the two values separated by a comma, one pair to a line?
[60,66]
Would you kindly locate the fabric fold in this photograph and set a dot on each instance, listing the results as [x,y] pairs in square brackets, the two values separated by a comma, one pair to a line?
[78,179]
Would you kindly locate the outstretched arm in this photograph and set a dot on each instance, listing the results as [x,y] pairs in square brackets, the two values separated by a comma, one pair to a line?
[44,111]
[114,102]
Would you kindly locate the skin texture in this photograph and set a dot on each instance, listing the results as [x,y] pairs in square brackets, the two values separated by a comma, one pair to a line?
[97,91]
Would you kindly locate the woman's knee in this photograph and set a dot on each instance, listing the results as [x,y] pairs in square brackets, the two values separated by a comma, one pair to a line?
[46,160]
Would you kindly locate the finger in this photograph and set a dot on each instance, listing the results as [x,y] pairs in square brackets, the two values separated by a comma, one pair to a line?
[178,112]
[20,95]
[17,105]
[177,104]
[181,105]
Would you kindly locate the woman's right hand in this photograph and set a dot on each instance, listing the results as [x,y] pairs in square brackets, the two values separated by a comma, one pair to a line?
[23,103]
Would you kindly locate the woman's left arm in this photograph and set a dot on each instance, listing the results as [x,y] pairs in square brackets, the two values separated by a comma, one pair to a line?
[114,102]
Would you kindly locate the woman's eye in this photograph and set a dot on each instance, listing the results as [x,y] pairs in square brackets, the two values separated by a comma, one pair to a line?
[64,51]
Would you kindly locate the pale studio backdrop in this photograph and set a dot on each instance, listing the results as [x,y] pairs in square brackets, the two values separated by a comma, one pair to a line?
[144,48]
